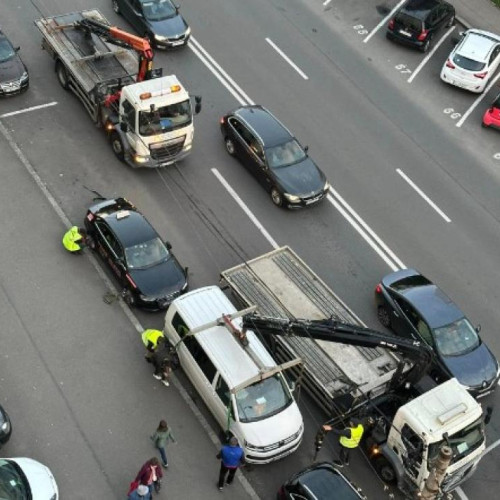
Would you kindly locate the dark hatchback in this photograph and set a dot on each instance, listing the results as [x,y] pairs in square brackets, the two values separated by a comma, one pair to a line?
[5,427]
[417,22]
[413,306]
[146,268]
[321,481]
[158,20]
[274,156]
[14,77]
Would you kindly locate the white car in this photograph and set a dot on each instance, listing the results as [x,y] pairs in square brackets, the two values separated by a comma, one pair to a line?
[26,479]
[473,61]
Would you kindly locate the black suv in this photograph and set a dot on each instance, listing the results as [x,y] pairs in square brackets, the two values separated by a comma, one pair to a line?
[418,21]
[273,155]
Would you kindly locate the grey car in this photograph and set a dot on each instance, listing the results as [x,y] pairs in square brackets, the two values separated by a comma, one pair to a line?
[14,77]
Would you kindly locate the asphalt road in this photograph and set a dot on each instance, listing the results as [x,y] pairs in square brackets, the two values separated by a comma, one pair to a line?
[368,127]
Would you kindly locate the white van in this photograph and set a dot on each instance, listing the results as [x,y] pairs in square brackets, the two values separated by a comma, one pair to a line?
[242,386]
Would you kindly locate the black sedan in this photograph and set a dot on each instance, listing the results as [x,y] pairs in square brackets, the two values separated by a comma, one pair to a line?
[147,270]
[321,481]
[14,77]
[274,156]
[5,427]
[158,20]
[411,305]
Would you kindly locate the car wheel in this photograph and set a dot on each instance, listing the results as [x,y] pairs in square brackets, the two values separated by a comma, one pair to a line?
[128,297]
[91,242]
[451,22]
[230,146]
[116,7]
[117,145]
[62,75]
[385,470]
[276,197]
[426,45]
[383,316]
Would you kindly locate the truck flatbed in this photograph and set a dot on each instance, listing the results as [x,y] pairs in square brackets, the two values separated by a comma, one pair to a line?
[281,285]
[91,60]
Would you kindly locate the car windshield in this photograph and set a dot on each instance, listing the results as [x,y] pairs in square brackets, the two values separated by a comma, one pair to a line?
[158,10]
[285,154]
[456,338]
[263,399]
[468,64]
[12,482]
[147,254]
[462,443]
[6,50]
[165,119]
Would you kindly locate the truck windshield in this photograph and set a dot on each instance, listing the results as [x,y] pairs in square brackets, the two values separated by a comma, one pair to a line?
[158,10]
[165,119]
[456,338]
[263,399]
[147,254]
[462,443]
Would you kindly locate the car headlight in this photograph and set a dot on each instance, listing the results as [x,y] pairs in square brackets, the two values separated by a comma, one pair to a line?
[327,186]
[188,31]
[24,76]
[161,38]
[141,158]
[292,198]
[5,427]
[250,445]
[146,298]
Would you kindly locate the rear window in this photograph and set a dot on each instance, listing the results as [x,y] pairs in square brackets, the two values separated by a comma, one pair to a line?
[410,282]
[321,483]
[468,64]
[409,22]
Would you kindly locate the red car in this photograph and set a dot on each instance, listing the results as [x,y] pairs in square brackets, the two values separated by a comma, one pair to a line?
[491,117]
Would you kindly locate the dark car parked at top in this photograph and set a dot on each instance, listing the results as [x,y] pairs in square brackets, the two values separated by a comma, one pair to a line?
[274,156]
[413,306]
[5,427]
[321,481]
[417,22]
[14,77]
[158,20]
[146,268]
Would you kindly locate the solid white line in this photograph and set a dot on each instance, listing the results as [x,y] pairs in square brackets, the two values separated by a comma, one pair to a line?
[326,2]
[26,110]
[399,264]
[244,207]
[460,492]
[477,101]
[430,54]
[384,21]
[423,195]
[287,59]
[215,64]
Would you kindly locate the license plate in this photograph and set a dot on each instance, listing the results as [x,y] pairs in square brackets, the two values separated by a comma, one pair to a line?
[405,33]
[180,42]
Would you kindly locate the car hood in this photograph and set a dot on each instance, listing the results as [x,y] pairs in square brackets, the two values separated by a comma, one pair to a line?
[473,368]
[303,178]
[171,27]
[161,280]
[40,478]
[11,69]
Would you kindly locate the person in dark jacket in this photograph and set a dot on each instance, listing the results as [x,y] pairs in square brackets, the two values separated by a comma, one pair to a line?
[160,438]
[151,475]
[140,493]
[231,457]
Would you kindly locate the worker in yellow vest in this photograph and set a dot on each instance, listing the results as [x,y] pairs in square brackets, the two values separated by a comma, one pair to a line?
[74,240]
[350,437]
[150,339]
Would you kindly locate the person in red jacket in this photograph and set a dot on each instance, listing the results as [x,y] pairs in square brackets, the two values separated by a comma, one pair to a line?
[151,475]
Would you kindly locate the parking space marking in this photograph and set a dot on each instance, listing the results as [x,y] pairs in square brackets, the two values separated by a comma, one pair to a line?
[384,21]
[423,195]
[477,101]
[27,110]
[430,54]
[287,59]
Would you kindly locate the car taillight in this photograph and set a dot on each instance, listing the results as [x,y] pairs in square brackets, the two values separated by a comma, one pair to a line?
[481,75]
[378,289]
[391,24]
[449,64]
[423,35]
[222,120]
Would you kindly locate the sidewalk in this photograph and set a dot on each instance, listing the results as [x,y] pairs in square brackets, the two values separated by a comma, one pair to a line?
[481,14]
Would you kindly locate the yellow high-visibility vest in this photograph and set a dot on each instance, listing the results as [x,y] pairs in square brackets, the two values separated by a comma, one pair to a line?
[151,336]
[353,441]
[70,240]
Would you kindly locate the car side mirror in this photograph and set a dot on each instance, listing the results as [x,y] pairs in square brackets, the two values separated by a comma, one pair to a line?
[17,49]
[306,148]
[197,106]
[478,328]
[177,7]
[488,414]
[168,245]
[186,270]
[124,126]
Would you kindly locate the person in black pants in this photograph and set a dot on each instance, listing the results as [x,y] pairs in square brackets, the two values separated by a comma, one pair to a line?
[231,458]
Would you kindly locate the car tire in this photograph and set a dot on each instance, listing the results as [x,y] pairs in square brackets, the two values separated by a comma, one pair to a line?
[383,316]
[62,75]
[229,146]
[451,22]
[116,7]
[128,297]
[117,146]
[426,45]
[91,242]
[276,197]
[385,470]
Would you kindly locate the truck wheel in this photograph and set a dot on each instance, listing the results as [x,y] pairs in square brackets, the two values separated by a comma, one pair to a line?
[230,146]
[276,197]
[385,470]
[116,7]
[128,297]
[384,316]
[117,145]
[62,75]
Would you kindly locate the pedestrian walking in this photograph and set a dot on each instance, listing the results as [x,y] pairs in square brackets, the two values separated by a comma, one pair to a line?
[160,439]
[140,493]
[74,240]
[349,439]
[151,475]
[231,458]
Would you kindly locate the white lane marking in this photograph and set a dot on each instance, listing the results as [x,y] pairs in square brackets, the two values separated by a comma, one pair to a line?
[430,54]
[460,493]
[477,101]
[423,195]
[217,70]
[384,21]
[287,59]
[27,110]
[244,207]
[326,2]
[391,255]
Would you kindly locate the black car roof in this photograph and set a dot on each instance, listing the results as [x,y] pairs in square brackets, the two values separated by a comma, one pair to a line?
[419,8]
[130,227]
[270,130]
